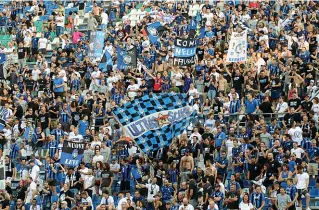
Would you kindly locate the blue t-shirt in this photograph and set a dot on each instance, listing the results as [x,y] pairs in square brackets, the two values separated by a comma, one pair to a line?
[57,82]
[251,106]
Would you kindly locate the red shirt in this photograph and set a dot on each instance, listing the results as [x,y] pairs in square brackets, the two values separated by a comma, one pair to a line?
[158,84]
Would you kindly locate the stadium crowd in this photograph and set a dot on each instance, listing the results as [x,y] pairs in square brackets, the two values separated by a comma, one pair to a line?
[253,144]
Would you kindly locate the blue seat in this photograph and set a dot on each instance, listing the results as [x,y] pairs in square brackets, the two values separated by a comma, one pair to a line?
[96,199]
[312,183]
[54,198]
[303,202]
[88,9]
[314,192]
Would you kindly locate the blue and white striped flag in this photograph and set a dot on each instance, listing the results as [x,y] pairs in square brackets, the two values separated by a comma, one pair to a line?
[154,120]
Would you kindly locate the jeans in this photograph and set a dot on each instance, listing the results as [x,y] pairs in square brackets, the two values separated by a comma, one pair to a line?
[59,30]
[211,94]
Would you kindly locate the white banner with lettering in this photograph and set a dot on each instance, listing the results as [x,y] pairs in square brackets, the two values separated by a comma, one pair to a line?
[237,48]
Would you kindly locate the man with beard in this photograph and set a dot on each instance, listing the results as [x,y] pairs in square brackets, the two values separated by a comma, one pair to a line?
[275,166]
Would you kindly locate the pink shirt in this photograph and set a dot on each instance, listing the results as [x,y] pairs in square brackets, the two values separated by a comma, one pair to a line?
[76,37]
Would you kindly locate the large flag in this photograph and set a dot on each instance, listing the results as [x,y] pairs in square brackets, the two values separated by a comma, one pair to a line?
[106,60]
[72,153]
[154,120]
[96,44]
[3,114]
[237,50]
[155,31]
[184,52]
[126,59]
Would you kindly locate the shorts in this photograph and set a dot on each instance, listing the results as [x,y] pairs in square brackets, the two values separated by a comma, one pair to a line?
[301,192]
[34,51]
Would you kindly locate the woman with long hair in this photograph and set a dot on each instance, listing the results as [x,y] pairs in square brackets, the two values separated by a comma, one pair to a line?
[245,204]
[98,168]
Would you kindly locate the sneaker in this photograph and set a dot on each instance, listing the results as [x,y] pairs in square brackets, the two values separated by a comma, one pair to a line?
[308,208]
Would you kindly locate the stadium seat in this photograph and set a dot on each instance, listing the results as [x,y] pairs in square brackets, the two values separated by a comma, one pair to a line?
[312,182]
[88,9]
[314,192]
[54,198]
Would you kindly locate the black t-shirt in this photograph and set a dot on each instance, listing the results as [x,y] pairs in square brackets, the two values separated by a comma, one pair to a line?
[81,70]
[294,103]
[263,82]
[9,169]
[275,81]
[30,84]
[4,204]
[21,191]
[200,53]
[289,118]
[106,178]
[193,186]
[254,170]
[21,53]
[195,148]
[234,204]
[55,109]
[207,189]
[42,84]
[238,80]
[306,105]
[19,112]
[63,196]
[274,165]
[44,120]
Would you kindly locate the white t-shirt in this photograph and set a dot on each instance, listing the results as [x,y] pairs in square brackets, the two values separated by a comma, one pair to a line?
[77,138]
[85,170]
[296,134]
[43,43]
[298,151]
[132,150]
[35,74]
[245,206]
[301,181]
[59,21]
[188,207]
[230,145]
[97,158]
[315,108]
[31,188]
[119,205]
[281,108]
[132,87]
[153,189]
[110,200]
[35,172]
[87,200]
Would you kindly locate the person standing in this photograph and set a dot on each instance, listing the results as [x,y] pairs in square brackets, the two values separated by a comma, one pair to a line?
[302,182]
[232,198]
[283,200]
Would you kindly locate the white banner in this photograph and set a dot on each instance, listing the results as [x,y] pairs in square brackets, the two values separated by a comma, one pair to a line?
[237,48]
